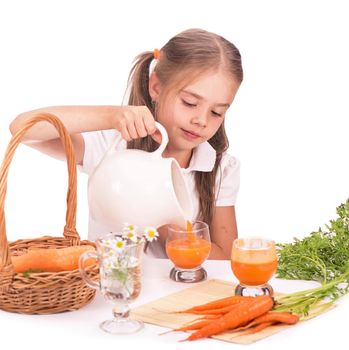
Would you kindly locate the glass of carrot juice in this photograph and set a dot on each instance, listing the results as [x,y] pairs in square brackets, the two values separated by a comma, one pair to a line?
[253,262]
[188,249]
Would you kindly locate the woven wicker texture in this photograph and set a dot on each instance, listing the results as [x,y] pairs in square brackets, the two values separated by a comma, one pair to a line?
[44,292]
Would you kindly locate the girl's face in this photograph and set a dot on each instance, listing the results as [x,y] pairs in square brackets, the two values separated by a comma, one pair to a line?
[193,114]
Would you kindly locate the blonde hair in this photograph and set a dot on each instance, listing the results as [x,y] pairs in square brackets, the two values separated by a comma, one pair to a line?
[182,59]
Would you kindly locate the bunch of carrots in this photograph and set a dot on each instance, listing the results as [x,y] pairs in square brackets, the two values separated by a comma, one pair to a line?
[238,313]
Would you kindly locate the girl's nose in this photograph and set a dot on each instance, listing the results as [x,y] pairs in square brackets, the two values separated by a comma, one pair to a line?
[200,120]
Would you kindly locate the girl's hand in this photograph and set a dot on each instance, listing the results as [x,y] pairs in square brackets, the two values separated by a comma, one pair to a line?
[135,122]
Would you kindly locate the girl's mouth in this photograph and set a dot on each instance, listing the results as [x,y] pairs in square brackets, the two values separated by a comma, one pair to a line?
[190,135]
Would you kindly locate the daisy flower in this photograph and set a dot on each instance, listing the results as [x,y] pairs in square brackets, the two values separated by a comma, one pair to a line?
[129,227]
[119,244]
[131,235]
[151,233]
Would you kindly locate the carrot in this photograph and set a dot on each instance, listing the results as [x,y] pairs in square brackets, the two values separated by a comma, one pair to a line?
[208,317]
[222,310]
[193,326]
[50,260]
[256,329]
[273,317]
[243,313]
[189,327]
[216,304]
[267,320]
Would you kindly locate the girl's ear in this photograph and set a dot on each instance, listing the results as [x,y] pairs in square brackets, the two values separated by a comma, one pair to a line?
[154,86]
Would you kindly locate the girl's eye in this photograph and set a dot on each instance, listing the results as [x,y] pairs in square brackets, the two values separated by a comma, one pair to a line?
[188,104]
[216,114]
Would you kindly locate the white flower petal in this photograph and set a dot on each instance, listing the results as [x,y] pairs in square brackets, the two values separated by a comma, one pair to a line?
[129,227]
[131,235]
[119,244]
[151,233]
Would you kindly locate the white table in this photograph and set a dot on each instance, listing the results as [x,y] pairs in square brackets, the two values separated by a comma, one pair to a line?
[79,329]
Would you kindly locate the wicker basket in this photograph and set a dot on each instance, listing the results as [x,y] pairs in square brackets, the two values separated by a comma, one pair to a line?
[46,292]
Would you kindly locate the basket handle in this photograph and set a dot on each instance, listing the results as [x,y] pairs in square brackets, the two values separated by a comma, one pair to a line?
[6,268]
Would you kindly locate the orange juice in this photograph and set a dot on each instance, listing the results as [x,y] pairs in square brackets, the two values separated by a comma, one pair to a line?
[187,253]
[253,260]
[253,273]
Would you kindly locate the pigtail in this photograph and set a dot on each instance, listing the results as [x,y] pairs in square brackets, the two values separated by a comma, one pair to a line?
[138,83]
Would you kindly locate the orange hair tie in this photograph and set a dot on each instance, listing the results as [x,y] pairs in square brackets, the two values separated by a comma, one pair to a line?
[156,53]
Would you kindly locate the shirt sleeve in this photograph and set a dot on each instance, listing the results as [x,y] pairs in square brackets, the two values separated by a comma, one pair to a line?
[96,144]
[228,181]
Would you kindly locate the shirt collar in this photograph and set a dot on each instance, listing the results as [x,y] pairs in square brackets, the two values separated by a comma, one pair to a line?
[203,158]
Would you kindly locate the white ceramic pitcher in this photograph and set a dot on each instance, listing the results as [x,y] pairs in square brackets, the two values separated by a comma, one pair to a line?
[140,188]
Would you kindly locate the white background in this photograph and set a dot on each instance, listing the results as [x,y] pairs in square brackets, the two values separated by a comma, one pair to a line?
[287,125]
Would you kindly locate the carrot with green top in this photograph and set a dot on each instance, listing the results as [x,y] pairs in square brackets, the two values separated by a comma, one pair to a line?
[242,314]
[189,327]
[216,304]
[208,317]
[255,329]
[270,318]
[222,310]
[273,317]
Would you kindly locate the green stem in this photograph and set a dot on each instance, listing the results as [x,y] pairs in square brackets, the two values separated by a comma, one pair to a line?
[310,301]
[318,309]
[322,288]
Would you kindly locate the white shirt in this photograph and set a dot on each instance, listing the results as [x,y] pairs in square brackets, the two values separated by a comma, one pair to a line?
[203,159]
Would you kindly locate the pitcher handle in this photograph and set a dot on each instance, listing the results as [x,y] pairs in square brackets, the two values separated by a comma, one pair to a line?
[157,153]
[164,140]
[82,267]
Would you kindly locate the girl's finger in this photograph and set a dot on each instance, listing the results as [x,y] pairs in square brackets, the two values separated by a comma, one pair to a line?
[156,136]
[140,127]
[124,133]
[149,124]
[132,130]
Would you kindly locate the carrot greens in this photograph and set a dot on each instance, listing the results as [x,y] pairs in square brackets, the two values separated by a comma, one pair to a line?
[322,256]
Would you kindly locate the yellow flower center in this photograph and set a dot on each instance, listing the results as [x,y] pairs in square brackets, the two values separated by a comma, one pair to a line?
[119,244]
[151,234]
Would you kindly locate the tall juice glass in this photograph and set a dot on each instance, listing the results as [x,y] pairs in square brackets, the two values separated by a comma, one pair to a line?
[253,262]
[119,279]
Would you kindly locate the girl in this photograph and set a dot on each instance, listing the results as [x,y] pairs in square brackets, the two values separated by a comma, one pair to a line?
[187,86]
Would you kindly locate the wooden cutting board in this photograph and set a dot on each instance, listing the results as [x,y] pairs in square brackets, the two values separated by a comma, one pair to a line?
[158,312]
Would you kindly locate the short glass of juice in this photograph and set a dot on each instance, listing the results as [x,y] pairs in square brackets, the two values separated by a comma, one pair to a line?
[253,261]
[188,249]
